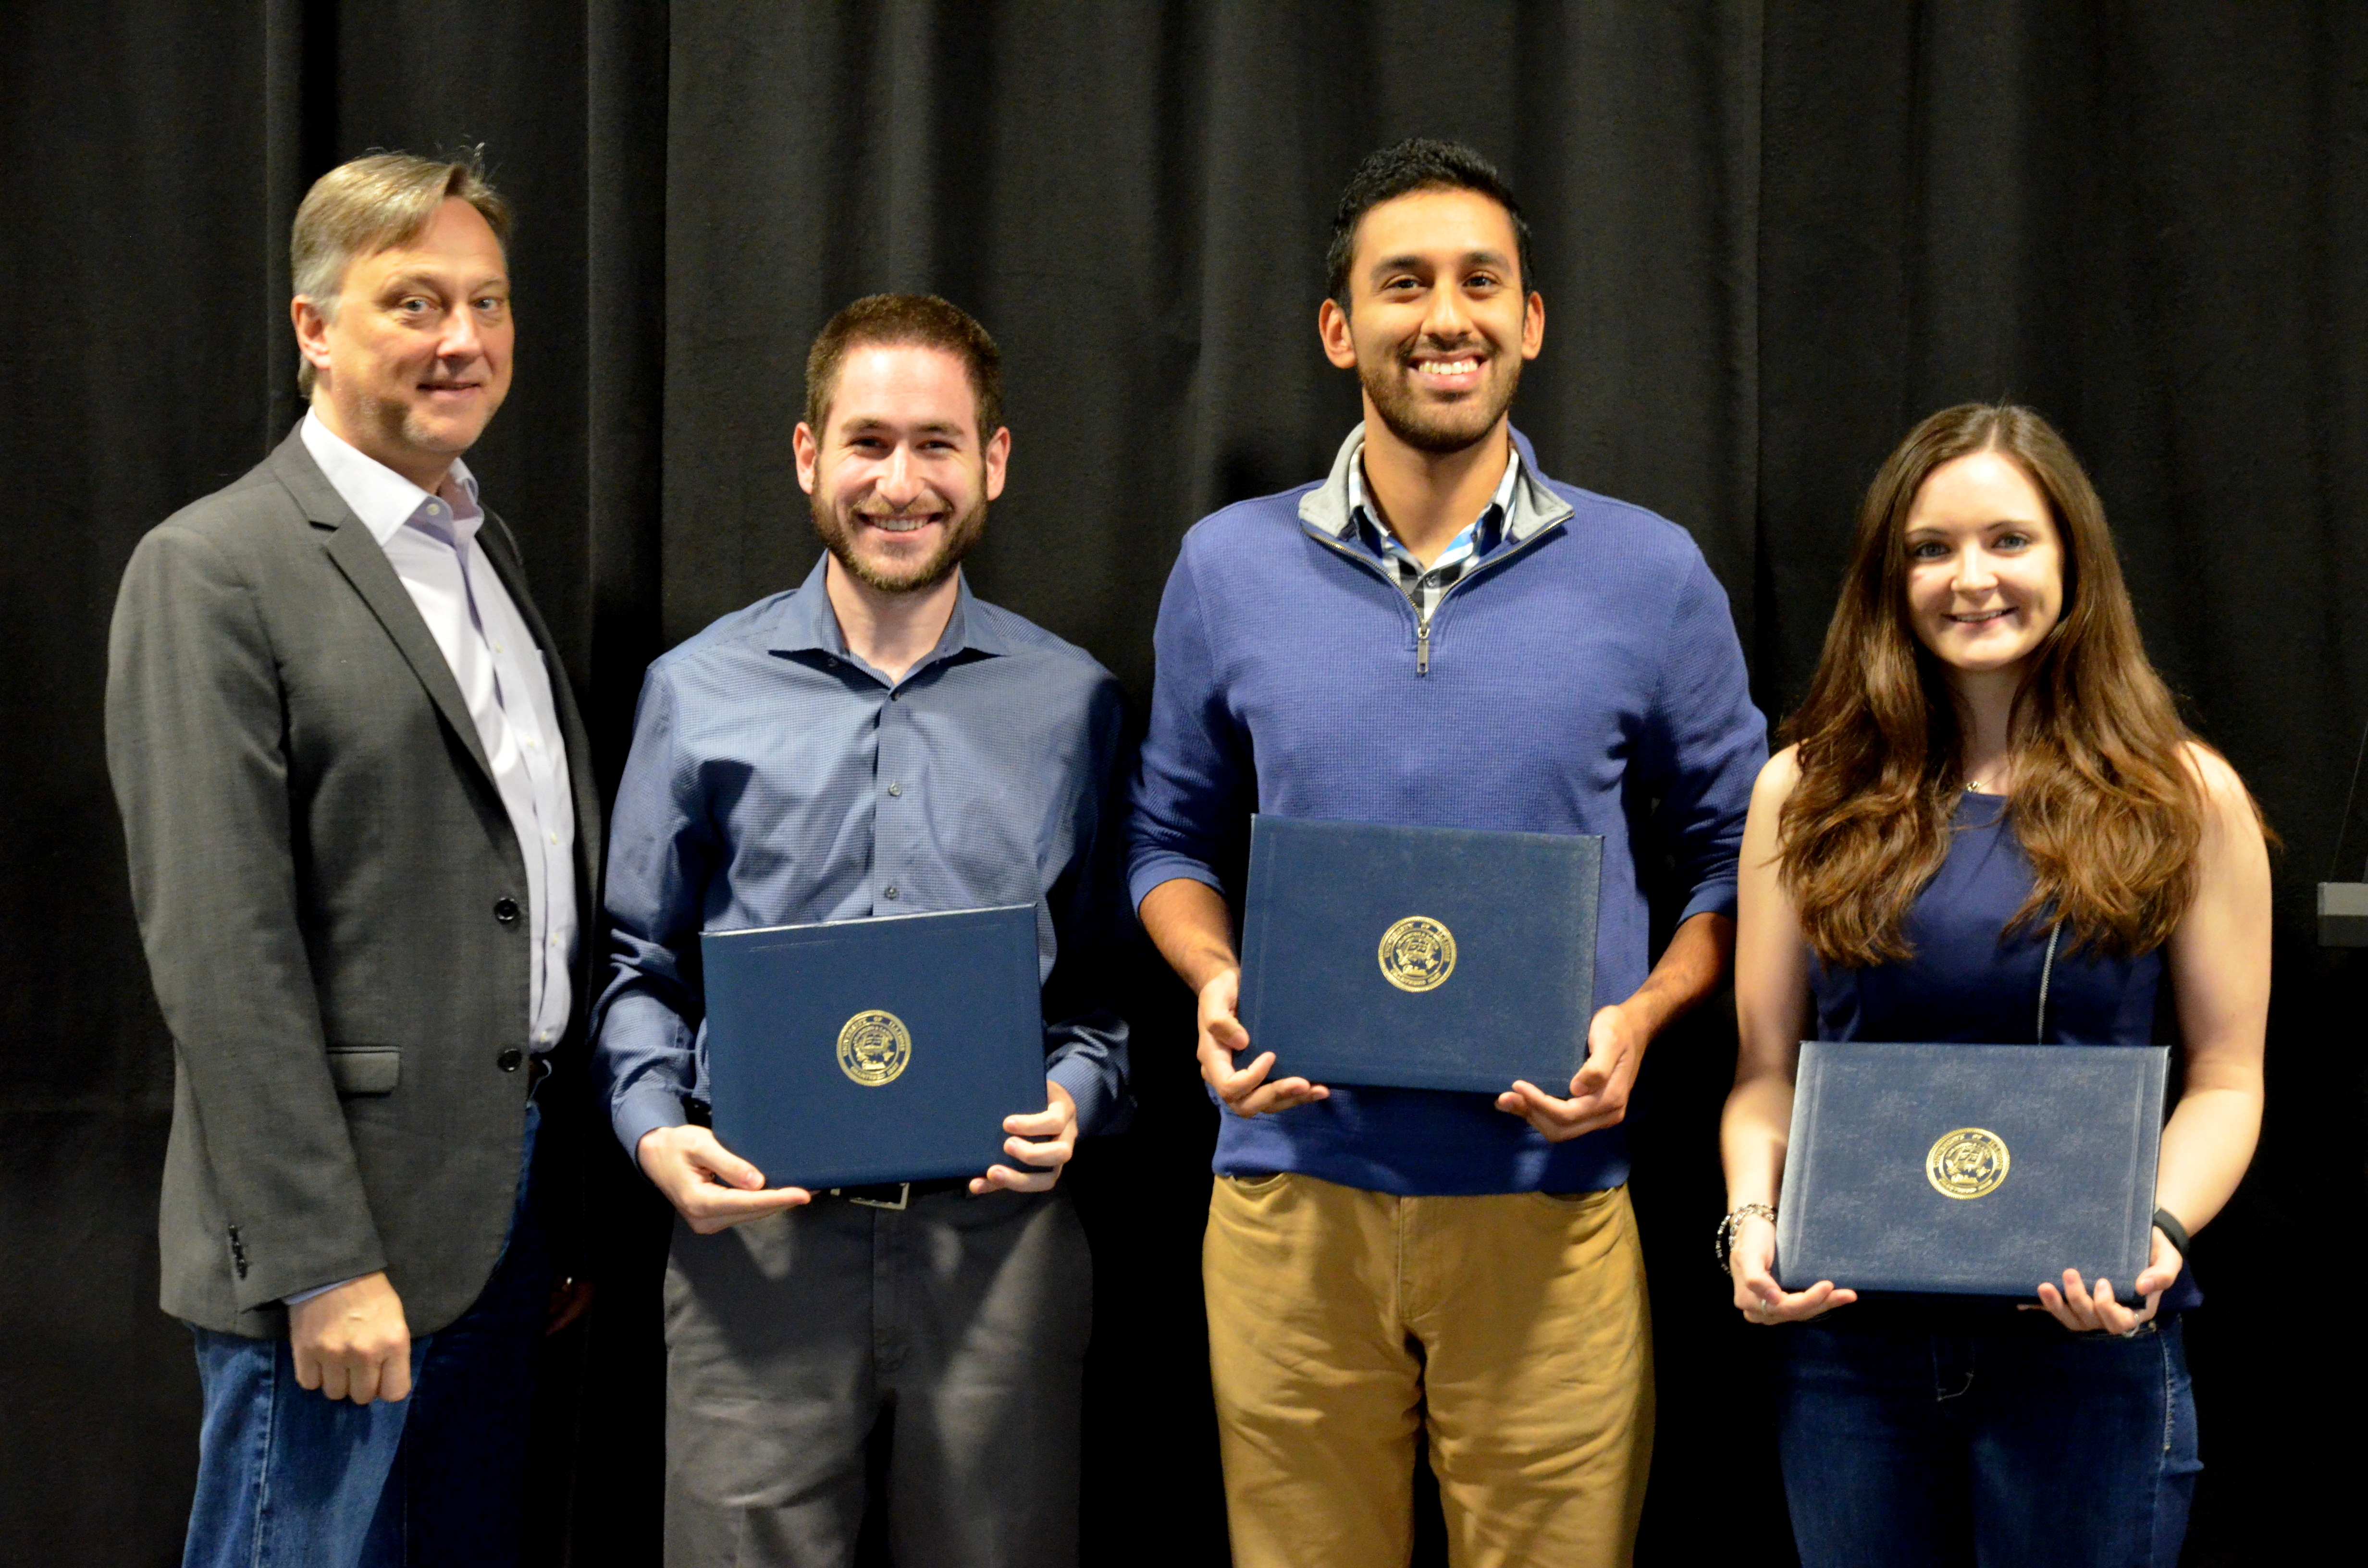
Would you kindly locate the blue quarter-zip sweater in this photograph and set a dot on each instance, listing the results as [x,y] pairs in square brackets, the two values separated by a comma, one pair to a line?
[1584,677]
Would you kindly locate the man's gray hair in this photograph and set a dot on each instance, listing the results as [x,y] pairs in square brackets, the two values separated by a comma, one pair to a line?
[361,208]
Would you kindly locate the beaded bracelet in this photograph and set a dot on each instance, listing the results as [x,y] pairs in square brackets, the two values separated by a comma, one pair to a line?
[1726,1242]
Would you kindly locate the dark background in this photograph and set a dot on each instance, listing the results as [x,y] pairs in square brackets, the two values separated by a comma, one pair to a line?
[1769,239]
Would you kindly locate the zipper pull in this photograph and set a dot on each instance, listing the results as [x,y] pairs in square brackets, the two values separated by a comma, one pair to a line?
[1422,645]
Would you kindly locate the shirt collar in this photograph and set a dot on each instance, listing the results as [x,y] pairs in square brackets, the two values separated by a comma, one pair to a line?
[1500,506]
[382,499]
[1532,506]
[806,623]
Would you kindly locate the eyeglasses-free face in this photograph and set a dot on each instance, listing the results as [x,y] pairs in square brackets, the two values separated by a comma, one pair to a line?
[414,358]
[899,476]
[1440,319]
[1985,564]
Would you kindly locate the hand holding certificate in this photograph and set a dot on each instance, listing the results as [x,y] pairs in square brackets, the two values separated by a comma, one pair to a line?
[1598,1091]
[1979,1170]
[2088,1311]
[1224,1042]
[868,1051]
[1041,1145]
[712,1187]
[1424,957]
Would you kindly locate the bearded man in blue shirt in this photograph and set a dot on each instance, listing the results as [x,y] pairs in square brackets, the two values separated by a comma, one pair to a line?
[1437,635]
[876,743]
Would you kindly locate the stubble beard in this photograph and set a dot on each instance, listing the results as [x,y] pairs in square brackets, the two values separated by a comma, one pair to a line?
[838,536]
[1434,429]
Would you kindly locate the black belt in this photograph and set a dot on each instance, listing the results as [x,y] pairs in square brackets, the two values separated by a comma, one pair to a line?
[894,1194]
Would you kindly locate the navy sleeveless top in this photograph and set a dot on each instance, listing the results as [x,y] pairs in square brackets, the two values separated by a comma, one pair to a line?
[1971,981]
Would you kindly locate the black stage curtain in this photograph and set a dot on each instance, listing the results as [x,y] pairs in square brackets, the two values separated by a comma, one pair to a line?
[1770,238]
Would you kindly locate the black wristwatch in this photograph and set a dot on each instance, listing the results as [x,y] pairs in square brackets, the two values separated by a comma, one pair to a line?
[2168,1224]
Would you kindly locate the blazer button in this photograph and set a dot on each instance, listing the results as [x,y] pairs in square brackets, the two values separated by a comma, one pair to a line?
[510,1060]
[506,910]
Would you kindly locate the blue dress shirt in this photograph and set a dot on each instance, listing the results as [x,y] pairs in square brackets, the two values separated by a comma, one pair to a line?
[778,780]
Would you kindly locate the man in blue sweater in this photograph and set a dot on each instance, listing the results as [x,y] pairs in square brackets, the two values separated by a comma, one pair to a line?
[1437,635]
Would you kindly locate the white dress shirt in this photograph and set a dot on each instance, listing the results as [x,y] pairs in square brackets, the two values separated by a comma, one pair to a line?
[431,542]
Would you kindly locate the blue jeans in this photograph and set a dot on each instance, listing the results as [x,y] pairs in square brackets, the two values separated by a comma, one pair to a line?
[288,1478]
[1999,1444]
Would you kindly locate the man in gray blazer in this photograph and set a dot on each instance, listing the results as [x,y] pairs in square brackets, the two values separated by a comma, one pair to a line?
[361,824]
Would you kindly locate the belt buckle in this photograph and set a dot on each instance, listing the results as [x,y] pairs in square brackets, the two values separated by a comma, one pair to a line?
[904,1199]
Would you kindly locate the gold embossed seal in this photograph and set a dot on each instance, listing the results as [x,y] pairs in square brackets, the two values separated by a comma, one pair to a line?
[1969,1163]
[1418,954]
[874,1048]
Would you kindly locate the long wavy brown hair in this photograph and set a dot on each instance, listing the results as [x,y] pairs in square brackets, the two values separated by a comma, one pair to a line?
[2106,802]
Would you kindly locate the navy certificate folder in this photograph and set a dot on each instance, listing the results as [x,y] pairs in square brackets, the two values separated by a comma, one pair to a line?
[1420,956]
[874,1051]
[1973,1170]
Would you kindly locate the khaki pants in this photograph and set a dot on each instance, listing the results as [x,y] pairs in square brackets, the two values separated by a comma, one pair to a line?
[1512,1327]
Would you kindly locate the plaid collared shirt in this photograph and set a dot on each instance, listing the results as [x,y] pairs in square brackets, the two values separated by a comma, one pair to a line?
[1425,586]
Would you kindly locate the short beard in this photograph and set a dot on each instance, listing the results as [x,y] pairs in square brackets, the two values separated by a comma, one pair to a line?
[838,536]
[1437,432]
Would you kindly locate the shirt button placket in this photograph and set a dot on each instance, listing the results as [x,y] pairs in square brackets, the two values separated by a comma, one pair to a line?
[888,836]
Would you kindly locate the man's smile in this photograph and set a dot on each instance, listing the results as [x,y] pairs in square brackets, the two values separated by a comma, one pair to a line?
[900,522]
[1456,372]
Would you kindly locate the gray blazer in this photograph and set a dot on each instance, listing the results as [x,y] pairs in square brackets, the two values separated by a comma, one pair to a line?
[329,892]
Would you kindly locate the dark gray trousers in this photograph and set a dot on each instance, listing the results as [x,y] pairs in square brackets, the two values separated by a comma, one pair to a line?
[787,1338]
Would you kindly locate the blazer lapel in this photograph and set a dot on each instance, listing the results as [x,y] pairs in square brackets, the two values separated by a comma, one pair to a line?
[365,566]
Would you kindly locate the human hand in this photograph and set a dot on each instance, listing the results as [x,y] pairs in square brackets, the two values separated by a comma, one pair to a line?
[1751,1264]
[709,1186]
[2090,1312]
[1599,1092]
[352,1342]
[1245,1091]
[1041,1141]
[570,1300]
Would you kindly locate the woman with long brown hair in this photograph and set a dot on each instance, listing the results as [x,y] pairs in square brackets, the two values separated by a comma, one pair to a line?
[1986,767]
